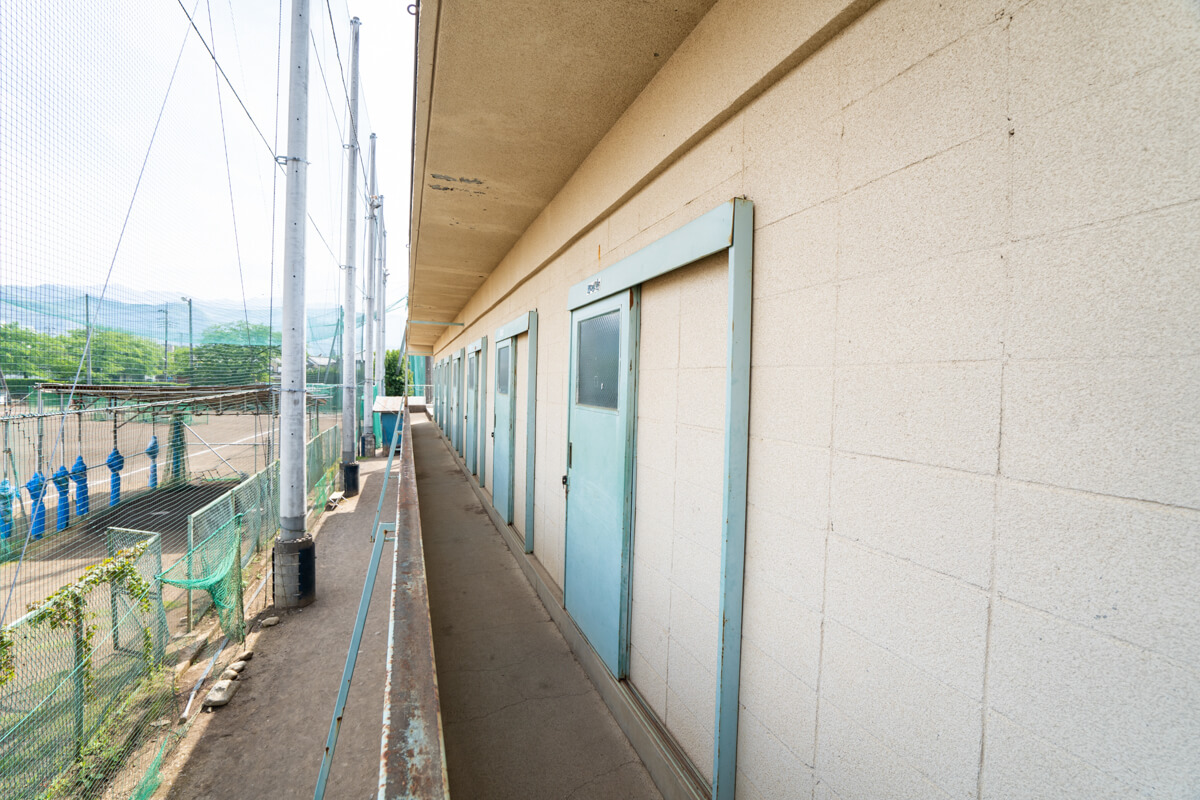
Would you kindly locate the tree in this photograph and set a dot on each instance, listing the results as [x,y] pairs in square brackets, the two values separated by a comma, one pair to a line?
[116,356]
[393,382]
[237,352]
[22,351]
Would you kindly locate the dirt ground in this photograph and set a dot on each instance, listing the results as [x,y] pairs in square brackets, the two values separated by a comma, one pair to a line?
[268,742]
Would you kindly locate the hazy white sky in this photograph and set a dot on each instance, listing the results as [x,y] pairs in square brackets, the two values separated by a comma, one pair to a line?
[81,89]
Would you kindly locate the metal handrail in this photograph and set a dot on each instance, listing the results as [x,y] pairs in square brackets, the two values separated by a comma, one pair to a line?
[364,604]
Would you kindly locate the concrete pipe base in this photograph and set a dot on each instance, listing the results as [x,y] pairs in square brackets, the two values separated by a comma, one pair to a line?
[295,572]
[349,478]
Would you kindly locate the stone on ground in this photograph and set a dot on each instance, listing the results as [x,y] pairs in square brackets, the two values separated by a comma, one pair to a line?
[221,693]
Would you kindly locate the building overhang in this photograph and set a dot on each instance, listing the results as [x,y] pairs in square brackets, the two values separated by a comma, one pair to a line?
[511,96]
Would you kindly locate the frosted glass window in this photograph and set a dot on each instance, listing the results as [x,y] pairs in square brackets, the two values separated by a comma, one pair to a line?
[598,360]
[502,370]
[471,372]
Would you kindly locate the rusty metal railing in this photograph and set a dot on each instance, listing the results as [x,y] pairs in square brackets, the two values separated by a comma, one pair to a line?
[412,758]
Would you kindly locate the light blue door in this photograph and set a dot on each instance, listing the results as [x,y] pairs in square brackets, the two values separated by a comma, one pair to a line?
[599,474]
[472,412]
[460,370]
[503,429]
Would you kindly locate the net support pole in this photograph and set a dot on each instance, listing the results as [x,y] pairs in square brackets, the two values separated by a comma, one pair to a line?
[369,306]
[87,313]
[295,552]
[191,544]
[350,287]
[81,655]
[381,303]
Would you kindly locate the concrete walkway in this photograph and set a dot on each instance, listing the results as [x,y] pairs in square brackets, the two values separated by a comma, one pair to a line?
[521,719]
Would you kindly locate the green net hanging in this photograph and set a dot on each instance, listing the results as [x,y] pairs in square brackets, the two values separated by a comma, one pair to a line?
[214,567]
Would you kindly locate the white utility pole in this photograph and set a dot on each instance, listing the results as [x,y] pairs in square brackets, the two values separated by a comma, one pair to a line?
[295,551]
[381,294]
[349,345]
[368,382]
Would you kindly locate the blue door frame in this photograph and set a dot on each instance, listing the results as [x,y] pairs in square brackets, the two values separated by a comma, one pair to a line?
[476,404]
[470,439]
[727,228]
[526,324]
[451,397]
[441,395]
[460,380]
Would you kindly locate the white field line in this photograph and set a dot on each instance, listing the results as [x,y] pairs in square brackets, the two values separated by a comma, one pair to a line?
[104,480]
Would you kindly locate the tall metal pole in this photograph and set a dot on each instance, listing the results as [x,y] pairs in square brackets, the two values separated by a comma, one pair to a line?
[368,380]
[380,304]
[295,552]
[166,312]
[349,346]
[191,341]
[87,313]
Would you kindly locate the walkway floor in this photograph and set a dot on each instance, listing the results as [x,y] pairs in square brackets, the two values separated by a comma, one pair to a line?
[268,742]
[521,718]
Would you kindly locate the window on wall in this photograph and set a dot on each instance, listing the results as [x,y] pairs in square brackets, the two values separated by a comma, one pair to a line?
[598,361]
[502,356]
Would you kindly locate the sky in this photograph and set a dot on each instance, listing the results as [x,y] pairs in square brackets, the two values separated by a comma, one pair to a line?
[127,160]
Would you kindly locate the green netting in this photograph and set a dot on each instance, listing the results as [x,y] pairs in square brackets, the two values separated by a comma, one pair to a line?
[90,723]
[153,777]
[214,566]
[256,502]
[80,694]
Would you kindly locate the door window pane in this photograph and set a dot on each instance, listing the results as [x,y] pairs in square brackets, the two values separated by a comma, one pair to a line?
[471,372]
[502,370]
[598,361]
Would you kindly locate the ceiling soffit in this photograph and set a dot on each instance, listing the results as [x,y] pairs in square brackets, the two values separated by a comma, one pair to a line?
[521,92]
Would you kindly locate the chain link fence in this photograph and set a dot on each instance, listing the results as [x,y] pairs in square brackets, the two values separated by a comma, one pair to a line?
[88,700]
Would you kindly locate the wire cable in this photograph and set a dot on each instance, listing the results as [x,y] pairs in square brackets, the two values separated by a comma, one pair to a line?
[273,151]
[237,246]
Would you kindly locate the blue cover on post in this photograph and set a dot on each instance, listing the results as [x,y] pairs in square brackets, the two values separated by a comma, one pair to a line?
[116,463]
[62,482]
[79,476]
[152,451]
[37,491]
[8,493]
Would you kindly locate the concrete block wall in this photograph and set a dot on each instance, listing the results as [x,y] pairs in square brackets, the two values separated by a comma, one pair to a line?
[676,551]
[997,334]
[973,509]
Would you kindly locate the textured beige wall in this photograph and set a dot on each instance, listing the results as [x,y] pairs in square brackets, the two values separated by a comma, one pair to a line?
[677,538]
[972,561]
